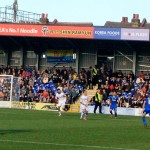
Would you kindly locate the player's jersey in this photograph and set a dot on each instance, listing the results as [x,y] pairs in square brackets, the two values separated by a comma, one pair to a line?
[84,100]
[114,100]
[147,104]
[61,96]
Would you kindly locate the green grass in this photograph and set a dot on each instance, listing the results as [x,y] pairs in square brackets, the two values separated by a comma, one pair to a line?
[43,130]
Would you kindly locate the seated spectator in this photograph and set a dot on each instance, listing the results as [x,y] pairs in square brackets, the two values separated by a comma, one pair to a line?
[41,97]
[111,88]
[77,81]
[55,77]
[122,102]
[113,81]
[129,100]
[65,75]
[140,83]
[83,82]
[127,88]
[31,96]
[73,95]
[120,74]
[22,99]
[131,82]
[45,96]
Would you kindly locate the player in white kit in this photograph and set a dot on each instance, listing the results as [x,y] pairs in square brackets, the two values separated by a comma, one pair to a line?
[84,100]
[61,97]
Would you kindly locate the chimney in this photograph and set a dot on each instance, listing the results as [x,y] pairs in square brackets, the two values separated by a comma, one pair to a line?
[46,16]
[124,20]
[43,15]
[44,19]
[136,16]
[135,22]
[143,23]
[55,21]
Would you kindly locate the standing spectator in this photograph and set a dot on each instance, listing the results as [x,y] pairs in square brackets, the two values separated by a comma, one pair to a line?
[83,82]
[95,75]
[65,75]
[31,96]
[70,70]
[122,101]
[89,78]
[73,95]
[55,77]
[63,71]
[104,95]
[98,101]
[120,74]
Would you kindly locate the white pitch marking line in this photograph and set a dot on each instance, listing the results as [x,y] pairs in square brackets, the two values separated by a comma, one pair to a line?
[72,145]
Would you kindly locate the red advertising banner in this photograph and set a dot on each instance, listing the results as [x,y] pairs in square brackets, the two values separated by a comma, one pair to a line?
[46,31]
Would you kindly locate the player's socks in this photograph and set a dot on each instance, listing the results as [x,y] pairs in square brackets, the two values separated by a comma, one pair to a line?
[115,114]
[59,113]
[111,112]
[81,115]
[144,121]
[84,116]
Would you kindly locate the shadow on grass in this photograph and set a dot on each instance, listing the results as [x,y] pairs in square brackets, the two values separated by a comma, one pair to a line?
[3,132]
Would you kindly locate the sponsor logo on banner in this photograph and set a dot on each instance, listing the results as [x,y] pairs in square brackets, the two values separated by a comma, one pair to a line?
[23,105]
[46,106]
[46,31]
[107,33]
[135,34]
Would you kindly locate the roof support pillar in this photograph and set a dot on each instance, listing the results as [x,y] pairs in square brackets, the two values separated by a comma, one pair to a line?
[37,62]
[77,61]
[134,62]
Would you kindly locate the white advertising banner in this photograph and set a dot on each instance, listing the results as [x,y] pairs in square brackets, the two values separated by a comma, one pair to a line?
[135,34]
[5,104]
[120,111]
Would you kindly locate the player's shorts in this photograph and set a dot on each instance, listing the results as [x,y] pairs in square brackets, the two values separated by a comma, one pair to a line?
[62,103]
[83,107]
[146,111]
[112,107]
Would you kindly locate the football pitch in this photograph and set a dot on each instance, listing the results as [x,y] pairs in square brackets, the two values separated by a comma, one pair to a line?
[44,130]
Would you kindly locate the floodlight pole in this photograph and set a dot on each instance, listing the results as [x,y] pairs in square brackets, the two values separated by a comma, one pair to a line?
[15,8]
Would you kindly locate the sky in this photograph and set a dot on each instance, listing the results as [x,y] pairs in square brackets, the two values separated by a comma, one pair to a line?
[95,11]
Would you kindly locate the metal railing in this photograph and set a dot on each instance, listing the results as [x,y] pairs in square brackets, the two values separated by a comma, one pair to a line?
[7,15]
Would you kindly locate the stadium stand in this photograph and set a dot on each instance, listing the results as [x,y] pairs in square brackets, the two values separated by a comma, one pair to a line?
[41,86]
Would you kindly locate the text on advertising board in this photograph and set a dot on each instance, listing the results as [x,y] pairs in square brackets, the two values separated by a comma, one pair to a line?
[135,34]
[47,31]
[107,33]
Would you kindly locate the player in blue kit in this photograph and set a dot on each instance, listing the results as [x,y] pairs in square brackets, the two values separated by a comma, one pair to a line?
[113,104]
[146,107]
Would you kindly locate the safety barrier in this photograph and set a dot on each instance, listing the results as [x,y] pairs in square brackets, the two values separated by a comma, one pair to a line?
[44,106]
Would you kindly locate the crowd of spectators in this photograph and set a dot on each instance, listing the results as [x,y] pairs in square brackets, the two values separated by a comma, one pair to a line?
[130,88]
[41,86]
